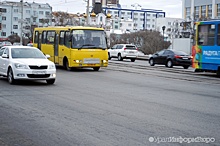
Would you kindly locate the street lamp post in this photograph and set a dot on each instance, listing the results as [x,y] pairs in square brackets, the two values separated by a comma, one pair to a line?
[163,28]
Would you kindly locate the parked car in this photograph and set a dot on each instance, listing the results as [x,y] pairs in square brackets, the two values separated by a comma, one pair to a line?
[26,63]
[171,58]
[30,44]
[123,51]
[5,43]
[17,44]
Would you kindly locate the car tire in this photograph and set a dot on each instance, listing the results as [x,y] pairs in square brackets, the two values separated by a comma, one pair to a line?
[67,65]
[132,60]
[186,67]
[51,81]
[120,58]
[10,76]
[109,57]
[151,62]
[96,68]
[169,63]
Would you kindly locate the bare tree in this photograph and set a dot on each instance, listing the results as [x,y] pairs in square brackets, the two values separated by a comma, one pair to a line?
[147,41]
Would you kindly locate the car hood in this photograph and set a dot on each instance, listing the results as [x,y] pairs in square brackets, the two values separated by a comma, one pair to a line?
[33,61]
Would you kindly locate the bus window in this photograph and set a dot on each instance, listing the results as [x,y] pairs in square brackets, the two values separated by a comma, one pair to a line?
[50,37]
[44,37]
[36,35]
[67,39]
[62,38]
[206,34]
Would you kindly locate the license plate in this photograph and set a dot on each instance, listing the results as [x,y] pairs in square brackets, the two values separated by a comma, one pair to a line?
[91,61]
[131,52]
[39,72]
[185,58]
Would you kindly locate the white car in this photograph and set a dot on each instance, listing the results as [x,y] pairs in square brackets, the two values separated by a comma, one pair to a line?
[123,51]
[26,63]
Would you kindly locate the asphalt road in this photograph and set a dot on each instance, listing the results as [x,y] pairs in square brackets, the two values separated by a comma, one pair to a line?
[117,106]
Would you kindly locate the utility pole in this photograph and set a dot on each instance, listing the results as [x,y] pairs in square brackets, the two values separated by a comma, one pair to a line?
[87,13]
[21,38]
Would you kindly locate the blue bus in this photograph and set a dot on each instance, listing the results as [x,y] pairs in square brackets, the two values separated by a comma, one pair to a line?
[206,47]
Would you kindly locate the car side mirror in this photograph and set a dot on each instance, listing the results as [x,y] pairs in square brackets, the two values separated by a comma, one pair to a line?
[5,56]
[156,54]
[47,56]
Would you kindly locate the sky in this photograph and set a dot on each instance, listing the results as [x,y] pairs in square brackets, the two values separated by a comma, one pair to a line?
[173,8]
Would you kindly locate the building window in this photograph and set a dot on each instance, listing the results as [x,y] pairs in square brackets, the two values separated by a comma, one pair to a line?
[188,11]
[148,20]
[15,18]
[141,14]
[148,15]
[210,11]
[148,25]
[196,12]
[15,10]
[203,13]
[47,13]
[115,12]
[4,26]
[154,15]
[169,23]
[3,33]
[28,11]
[129,24]
[15,26]
[28,20]
[109,12]
[3,18]
[3,10]
[116,26]
[152,26]
[128,13]
[218,10]
[41,12]
[122,13]
[135,14]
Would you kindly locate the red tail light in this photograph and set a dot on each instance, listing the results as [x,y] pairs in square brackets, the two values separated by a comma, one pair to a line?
[137,49]
[124,48]
[177,56]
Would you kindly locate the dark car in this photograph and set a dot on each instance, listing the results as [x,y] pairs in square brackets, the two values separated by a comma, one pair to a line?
[171,58]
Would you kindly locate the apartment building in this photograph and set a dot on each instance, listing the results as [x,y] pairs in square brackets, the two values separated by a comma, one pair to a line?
[142,19]
[34,15]
[201,9]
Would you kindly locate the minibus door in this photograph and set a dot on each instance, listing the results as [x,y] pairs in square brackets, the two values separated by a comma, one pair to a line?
[39,41]
[56,49]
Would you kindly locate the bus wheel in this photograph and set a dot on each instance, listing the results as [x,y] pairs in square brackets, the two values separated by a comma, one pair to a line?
[218,72]
[67,65]
[96,68]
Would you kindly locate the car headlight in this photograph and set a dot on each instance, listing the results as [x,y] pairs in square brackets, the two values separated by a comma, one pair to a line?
[20,66]
[52,66]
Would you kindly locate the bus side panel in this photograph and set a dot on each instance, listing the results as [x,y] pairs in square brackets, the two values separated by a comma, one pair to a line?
[206,57]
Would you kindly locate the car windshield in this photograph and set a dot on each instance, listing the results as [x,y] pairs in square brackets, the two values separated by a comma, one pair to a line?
[89,39]
[27,53]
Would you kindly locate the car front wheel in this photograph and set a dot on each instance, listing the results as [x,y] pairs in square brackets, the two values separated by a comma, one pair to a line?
[51,81]
[120,58]
[151,62]
[10,76]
